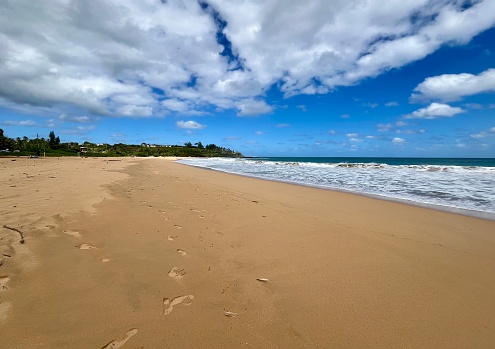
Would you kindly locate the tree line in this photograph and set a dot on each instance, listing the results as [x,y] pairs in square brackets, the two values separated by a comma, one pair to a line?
[52,146]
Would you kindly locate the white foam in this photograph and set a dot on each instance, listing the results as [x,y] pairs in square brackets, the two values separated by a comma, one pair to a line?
[451,187]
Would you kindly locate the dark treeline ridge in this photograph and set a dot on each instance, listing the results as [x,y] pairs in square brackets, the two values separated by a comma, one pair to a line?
[52,146]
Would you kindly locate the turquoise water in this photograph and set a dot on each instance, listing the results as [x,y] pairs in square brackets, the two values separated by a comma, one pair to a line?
[459,185]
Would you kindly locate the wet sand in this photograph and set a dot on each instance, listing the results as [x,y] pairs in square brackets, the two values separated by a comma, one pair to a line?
[148,253]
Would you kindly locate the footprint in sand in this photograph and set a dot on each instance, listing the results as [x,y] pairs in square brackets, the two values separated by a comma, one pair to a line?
[86,247]
[105,260]
[118,343]
[72,233]
[177,226]
[168,304]
[3,282]
[172,237]
[176,273]
[182,252]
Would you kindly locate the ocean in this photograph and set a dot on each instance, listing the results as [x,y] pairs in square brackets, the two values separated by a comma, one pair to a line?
[465,186]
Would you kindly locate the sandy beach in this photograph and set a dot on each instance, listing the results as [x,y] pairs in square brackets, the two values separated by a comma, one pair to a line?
[148,253]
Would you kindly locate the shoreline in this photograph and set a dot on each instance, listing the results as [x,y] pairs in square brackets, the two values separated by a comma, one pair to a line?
[436,207]
[170,256]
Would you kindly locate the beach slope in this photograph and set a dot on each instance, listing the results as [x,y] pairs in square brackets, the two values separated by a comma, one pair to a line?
[148,253]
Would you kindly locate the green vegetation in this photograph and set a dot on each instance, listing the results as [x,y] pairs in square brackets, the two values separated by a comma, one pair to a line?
[53,147]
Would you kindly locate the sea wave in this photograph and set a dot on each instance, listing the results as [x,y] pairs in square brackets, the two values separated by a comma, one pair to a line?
[449,186]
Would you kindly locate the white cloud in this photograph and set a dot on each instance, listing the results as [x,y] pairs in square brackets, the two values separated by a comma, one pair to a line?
[190,125]
[77,118]
[86,128]
[384,127]
[411,132]
[398,140]
[282,125]
[391,104]
[175,105]
[259,133]
[483,134]
[331,132]
[19,123]
[125,57]
[355,140]
[370,105]
[302,107]
[380,37]
[345,116]
[352,135]
[479,135]
[135,110]
[251,107]
[434,111]
[181,107]
[453,87]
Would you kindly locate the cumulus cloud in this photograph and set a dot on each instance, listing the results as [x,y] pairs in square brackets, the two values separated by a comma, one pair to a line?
[181,107]
[250,107]
[452,87]
[434,111]
[398,140]
[134,110]
[190,125]
[149,58]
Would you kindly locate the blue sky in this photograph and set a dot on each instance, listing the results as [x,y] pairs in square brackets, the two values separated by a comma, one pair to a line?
[272,78]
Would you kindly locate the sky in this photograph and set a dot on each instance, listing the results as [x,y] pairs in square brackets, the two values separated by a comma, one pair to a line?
[407,78]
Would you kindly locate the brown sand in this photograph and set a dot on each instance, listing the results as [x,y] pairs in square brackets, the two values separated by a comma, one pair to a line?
[147,253]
